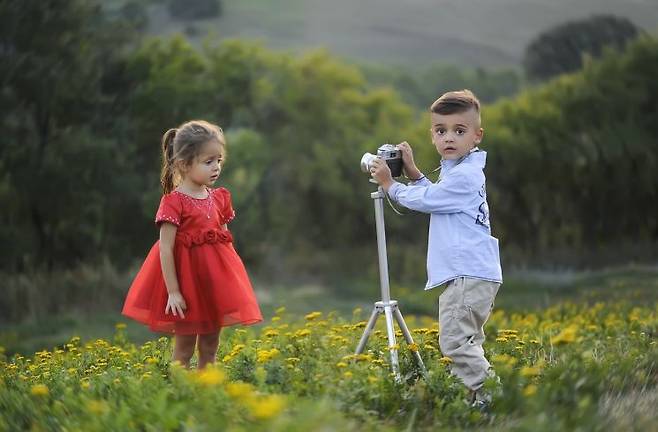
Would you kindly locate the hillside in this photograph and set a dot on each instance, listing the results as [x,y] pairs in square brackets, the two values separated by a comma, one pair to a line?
[473,33]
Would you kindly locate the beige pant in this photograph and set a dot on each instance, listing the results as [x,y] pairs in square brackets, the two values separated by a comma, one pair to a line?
[464,307]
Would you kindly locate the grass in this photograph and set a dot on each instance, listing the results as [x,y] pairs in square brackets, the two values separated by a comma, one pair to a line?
[521,292]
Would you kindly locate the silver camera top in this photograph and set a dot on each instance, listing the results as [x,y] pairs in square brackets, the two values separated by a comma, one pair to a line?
[390,154]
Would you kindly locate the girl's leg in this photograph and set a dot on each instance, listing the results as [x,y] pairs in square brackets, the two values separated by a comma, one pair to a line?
[184,348]
[208,344]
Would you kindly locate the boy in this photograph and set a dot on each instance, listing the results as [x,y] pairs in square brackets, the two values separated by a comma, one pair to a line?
[461,254]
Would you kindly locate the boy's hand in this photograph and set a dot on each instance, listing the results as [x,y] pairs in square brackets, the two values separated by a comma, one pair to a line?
[381,173]
[408,164]
[176,304]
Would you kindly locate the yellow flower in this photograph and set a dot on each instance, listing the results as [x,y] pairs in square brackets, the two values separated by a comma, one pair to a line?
[313,315]
[120,326]
[445,360]
[275,318]
[97,407]
[341,364]
[530,390]
[39,390]
[413,347]
[267,407]
[302,333]
[280,310]
[567,335]
[210,376]
[504,359]
[530,371]
[348,374]
[239,390]
[271,333]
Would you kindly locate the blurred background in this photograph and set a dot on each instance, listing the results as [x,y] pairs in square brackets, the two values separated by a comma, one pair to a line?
[303,88]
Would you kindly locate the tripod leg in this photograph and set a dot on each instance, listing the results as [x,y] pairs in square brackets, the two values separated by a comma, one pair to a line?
[366,333]
[410,340]
[391,342]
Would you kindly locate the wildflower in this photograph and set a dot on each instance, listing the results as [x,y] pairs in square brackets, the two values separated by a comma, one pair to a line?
[39,390]
[347,375]
[267,407]
[280,310]
[239,390]
[210,376]
[504,359]
[312,316]
[120,326]
[302,333]
[530,390]
[271,333]
[341,364]
[530,371]
[275,318]
[413,347]
[445,360]
[567,335]
[97,407]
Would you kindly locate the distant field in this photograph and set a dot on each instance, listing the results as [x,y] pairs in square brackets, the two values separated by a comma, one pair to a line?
[520,293]
[467,33]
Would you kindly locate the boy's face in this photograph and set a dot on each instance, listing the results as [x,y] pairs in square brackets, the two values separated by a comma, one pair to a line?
[454,135]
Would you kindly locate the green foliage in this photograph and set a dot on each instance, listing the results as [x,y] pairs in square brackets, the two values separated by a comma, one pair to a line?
[561,49]
[572,164]
[84,105]
[421,87]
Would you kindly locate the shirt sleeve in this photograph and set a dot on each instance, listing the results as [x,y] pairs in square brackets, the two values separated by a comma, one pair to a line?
[450,195]
[170,210]
[226,212]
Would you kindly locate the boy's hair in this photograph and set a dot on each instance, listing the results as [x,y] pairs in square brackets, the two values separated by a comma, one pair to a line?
[456,102]
[183,144]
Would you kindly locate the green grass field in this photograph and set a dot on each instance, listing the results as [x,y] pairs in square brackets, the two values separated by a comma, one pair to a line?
[572,366]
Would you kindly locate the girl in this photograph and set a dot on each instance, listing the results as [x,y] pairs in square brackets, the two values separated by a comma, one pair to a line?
[192,282]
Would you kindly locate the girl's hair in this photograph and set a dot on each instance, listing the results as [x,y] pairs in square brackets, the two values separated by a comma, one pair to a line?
[183,145]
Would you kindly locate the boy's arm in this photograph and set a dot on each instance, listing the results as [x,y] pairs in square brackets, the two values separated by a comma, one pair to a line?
[450,195]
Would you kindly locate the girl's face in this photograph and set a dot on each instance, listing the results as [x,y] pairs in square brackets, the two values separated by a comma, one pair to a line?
[205,169]
[454,135]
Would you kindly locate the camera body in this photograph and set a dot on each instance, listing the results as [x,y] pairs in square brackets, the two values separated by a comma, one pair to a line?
[390,154]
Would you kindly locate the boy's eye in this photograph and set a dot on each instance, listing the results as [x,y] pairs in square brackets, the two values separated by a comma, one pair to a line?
[440,131]
[460,131]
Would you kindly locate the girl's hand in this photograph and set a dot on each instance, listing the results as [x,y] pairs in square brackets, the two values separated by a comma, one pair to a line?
[408,164]
[176,304]
[381,173]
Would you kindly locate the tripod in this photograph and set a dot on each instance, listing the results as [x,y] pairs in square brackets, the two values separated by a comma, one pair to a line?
[386,306]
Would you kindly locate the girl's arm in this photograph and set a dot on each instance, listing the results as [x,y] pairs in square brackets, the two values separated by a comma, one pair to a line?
[176,302]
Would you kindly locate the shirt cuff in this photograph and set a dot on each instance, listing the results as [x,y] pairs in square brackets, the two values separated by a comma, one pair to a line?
[393,190]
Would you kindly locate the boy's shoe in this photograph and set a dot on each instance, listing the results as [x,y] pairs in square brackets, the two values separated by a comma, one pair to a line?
[480,400]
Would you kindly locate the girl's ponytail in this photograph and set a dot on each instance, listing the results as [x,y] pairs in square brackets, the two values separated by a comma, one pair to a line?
[167,174]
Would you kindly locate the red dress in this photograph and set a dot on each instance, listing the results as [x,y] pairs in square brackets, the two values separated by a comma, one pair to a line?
[211,276]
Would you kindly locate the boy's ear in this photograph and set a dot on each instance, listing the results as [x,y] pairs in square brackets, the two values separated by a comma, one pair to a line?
[478,136]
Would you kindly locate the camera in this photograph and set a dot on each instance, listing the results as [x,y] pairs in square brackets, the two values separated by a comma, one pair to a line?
[390,154]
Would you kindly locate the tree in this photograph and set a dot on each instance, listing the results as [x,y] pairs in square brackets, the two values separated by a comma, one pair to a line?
[52,61]
[561,49]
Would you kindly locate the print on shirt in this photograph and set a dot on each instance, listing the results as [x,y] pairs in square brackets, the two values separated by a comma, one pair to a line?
[483,217]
